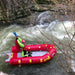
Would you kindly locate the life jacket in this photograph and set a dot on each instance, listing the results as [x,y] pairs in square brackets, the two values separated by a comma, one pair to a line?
[21,44]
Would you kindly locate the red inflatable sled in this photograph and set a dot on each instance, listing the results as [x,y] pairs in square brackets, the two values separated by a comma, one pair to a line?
[41,53]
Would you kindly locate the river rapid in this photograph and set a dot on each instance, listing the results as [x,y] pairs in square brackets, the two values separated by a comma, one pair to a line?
[61,32]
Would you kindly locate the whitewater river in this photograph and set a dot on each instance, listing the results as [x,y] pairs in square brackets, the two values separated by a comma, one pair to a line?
[39,34]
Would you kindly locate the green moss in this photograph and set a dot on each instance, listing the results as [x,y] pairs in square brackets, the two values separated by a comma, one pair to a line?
[40,10]
[41,1]
[26,4]
[15,13]
[44,2]
[62,1]
[52,2]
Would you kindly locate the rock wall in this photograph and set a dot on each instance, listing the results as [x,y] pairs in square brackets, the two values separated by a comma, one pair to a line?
[11,10]
[19,11]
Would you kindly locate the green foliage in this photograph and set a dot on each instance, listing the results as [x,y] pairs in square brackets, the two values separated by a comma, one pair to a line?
[44,2]
[61,0]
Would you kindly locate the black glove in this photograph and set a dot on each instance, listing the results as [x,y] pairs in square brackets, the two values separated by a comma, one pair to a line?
[16,38]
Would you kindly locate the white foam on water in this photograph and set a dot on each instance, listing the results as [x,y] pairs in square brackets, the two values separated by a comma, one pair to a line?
[1,73]
[10,34]
[45,16]
[58,30]
[73,64]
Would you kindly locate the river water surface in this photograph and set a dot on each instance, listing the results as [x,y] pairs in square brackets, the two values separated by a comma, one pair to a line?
[39,34]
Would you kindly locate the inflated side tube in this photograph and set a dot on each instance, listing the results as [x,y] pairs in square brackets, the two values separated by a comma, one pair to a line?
[51,51]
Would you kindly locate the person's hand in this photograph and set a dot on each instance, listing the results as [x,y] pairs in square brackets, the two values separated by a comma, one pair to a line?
[16,37]
[23,41]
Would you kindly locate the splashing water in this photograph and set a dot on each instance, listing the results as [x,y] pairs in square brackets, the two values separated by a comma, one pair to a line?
[1,73]
[55,29]
[37,34]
